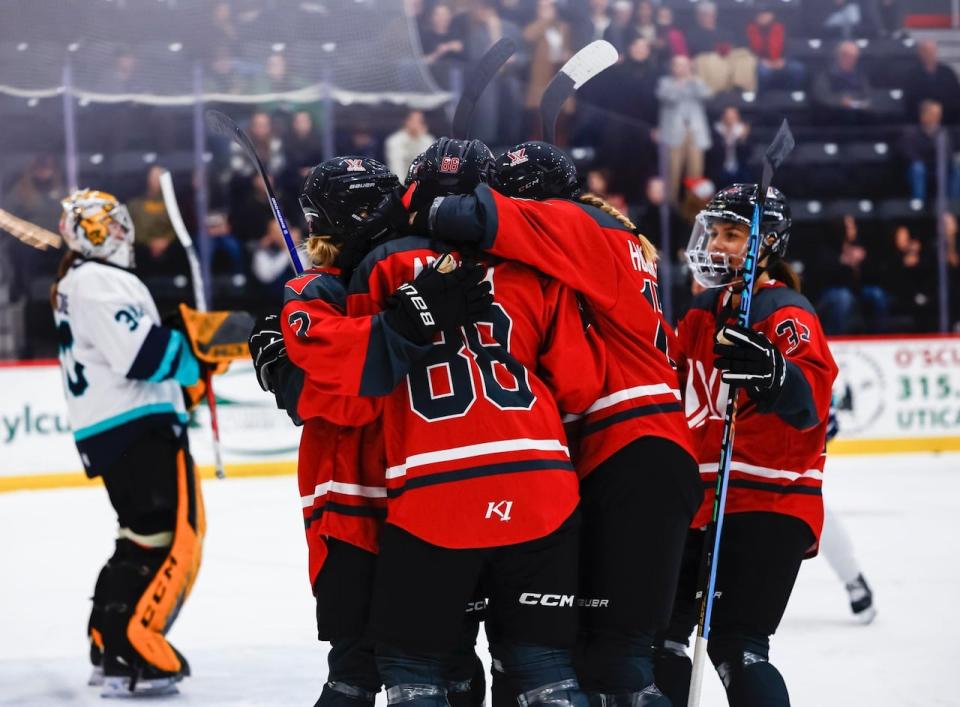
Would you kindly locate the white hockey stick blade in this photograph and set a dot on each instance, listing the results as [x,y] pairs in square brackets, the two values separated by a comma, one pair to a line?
[173,209]
[590,61]
[31,234]
[696,676]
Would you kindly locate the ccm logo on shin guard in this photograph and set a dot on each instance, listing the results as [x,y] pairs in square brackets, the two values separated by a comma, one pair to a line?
[161,590]
[535,599]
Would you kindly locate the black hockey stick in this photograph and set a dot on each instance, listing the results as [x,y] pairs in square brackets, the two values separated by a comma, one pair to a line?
[478,78]
[580,68]
[223,124]
[776,153]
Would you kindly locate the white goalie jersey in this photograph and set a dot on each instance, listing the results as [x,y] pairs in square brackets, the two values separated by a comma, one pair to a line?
[122,370]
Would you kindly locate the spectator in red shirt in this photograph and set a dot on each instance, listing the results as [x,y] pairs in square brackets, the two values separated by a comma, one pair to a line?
[767,37]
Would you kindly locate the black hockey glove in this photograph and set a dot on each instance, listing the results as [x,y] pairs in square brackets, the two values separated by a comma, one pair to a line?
[266,348]
[748,359]
[438,301]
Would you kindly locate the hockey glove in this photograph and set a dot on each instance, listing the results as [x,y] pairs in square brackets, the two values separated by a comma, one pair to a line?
[266,348]
[439,299]
[748,359]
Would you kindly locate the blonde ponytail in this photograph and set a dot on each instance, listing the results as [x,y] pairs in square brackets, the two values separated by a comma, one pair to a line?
[648,249]
[322,251]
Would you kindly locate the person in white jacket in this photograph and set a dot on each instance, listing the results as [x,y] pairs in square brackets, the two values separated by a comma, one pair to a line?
[683,122]
[123,373]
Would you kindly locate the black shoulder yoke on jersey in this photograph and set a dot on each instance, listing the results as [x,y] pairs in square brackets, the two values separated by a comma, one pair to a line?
[770,299]
[707,300]
[313,285]
[360,280]
[603,219]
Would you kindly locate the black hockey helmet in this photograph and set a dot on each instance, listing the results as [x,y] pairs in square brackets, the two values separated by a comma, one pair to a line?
[536,170]
[338,194]
[735,204]
[450,166]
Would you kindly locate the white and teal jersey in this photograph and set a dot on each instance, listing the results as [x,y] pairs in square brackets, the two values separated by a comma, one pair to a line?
[122,370]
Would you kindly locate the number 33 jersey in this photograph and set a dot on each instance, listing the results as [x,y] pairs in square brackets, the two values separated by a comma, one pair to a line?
[778,447]
[475,445]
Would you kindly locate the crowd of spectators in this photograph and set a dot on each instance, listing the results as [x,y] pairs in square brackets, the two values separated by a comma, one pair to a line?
[665,126]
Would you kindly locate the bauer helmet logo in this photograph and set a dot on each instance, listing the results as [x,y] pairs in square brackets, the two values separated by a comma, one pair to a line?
[518,157]
[355,166]
[450,165]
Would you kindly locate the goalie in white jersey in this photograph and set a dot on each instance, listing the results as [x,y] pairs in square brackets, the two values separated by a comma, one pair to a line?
[122,373]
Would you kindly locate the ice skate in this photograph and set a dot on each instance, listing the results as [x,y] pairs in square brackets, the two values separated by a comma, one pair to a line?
[861,600]
[122,680]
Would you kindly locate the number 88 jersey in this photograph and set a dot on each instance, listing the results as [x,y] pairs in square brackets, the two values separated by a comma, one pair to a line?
[475,445]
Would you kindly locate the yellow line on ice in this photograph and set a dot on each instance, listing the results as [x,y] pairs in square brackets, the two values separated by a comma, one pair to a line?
[78,478]
[894,446]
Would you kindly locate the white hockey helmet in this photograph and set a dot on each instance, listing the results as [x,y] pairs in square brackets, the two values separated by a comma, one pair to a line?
[96,225]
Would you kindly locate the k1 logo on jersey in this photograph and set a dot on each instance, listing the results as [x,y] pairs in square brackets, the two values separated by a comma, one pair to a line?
[795,331]
[501,509]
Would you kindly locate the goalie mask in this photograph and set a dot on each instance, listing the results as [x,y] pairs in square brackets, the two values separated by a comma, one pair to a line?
[717,248]
[536,170]
[96,225]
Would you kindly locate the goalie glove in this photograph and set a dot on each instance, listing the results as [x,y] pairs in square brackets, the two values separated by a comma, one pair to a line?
[748,359]
[266,348]
[441,298]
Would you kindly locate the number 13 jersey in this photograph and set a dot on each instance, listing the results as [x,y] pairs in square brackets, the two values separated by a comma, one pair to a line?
[475,445]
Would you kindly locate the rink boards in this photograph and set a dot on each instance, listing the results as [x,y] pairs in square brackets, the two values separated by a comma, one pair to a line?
[893,394]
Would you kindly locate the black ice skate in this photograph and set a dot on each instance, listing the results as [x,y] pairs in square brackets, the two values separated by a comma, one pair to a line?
[861,600]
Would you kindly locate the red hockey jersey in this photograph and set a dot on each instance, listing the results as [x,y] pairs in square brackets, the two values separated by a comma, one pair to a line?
[341,465]
[778,450]
[591,252]
[475,446]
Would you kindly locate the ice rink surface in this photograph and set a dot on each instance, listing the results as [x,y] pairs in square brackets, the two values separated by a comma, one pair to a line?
[248,629]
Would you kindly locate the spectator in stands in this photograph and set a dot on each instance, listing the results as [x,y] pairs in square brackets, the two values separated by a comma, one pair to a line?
[768,38]
[270,263]
[644,22]
[250,213]
[223,29]
[919,149]
[911,280]
[548,40]
[683,122]
[410,140]
[843,91]
[152,228]
[269,148]
[223,244]
[599,19]
[720,58]
[932,80]
[849,302]
[495,114]
[598,183]
[842,18]
[442,46]
[953,270]
[670,40]
[648,216]
[303,147]
[730,152]
[619,30]
[221,75]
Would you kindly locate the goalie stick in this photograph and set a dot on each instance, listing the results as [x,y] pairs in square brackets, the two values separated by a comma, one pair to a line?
[222,124]
[776,153]
[580,68]
[479,77]
[200,297]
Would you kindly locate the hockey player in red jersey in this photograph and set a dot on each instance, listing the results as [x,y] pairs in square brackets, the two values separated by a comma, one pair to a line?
[782,371]
[639,479]
[311,357]
[480,482]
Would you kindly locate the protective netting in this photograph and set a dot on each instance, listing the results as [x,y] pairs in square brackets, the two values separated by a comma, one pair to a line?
[164,52]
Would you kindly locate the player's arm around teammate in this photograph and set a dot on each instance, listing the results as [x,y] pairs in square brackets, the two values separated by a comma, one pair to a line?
[122,373]
[782,371]
[639,476]
[311,349]
[479,480]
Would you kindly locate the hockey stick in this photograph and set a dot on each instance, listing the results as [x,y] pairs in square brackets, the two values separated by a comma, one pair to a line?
[776,153]
[479,77]
[223,124]
[29,233]
[580,68]
[196,277]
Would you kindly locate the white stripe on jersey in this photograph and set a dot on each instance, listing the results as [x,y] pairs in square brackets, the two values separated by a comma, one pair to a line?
[640,391]
[346,489]
[476,450]
[764,472]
